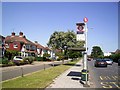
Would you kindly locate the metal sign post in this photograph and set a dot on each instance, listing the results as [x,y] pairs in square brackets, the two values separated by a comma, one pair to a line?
[82,36]
[85,68]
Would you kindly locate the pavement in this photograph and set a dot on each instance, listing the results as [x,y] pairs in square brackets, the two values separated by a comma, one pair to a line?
[70,78]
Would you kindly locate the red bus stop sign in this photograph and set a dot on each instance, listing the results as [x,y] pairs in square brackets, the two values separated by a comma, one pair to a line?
[85,19]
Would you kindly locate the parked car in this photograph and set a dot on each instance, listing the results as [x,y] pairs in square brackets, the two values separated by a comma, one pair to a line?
[18,60]
[100,62]
[89,59]
[118,62]
[109,61]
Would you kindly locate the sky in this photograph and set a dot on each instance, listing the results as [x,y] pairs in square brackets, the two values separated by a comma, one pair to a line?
[38,20]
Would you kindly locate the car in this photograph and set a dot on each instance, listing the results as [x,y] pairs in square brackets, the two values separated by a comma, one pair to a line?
[100,63]
[18,60]
[109,61]
[118,62]
[89,59]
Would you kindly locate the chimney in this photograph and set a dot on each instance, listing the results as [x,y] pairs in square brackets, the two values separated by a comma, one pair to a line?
[13,34]
[21,34]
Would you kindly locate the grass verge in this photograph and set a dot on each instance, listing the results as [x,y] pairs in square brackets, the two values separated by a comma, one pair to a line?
[39,79]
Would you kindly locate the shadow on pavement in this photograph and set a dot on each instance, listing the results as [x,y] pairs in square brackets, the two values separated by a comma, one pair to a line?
[72,64]
[75,78]
[74,73]
[77,64]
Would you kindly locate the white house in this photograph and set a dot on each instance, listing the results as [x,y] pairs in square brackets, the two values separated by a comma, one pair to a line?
[107,54]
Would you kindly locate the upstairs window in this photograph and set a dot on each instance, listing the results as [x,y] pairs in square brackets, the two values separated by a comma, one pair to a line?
[27,47]
[15,45]
[33,47]
[7,45]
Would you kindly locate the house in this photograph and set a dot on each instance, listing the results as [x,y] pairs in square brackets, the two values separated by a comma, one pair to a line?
[47,50]
[2,48]
[40,49]
[20,43]
[107,54]
[117,51]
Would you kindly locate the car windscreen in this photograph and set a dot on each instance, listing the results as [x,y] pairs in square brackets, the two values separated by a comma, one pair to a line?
[107,59]
[100,60]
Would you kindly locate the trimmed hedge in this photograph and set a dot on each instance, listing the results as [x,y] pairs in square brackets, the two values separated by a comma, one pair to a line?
[39,58]
[4,61]
[29,60]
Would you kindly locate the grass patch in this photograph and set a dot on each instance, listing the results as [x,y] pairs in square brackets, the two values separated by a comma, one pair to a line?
[39,79]
[72,63]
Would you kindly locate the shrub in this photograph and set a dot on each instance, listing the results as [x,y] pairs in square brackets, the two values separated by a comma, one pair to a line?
[29,59]
[11,53]
[11,63]
[115,57]
[39,58]
[44,58]
[26,60]
[5,60]
[46,55]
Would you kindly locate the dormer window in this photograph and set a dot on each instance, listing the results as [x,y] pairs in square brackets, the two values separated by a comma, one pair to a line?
[15,45]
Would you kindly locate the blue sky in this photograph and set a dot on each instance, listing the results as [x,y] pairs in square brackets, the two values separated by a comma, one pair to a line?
[38,20]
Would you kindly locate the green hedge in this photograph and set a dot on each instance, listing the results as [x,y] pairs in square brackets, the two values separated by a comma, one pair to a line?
[28,60]
[115,57]
[39,58]
[4,61]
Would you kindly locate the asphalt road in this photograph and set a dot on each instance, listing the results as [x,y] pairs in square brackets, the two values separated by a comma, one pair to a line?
[15,71]
[105,77]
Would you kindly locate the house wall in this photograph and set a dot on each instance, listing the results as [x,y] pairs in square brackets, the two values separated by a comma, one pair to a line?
[11,46]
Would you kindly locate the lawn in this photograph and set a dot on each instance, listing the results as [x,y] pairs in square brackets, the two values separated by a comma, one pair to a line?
[39,79]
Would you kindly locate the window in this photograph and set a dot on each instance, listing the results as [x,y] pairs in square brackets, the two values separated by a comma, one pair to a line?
[15,45]
[7,45]
[33,48]
[27,47]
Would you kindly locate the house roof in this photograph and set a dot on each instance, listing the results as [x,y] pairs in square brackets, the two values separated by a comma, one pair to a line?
[117,51]
[46,48]
[2,37]
[39,46]
[18,39]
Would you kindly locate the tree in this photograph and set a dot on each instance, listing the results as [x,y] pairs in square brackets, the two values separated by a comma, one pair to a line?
[60,39]
[96,52]
[74,54]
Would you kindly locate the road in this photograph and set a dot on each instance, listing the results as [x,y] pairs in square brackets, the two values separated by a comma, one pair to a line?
[15,71]
[105,77]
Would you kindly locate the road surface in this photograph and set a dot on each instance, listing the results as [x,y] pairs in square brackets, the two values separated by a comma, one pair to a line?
[105,77]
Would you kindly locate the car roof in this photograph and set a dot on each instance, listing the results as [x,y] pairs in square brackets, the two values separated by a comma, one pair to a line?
[100,60]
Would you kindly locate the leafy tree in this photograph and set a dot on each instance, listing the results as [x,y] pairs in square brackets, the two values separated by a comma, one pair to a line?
[60,55]
[115,57]
[60,39]
[46,55]
[97,52]
[11,53]
[74,54]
